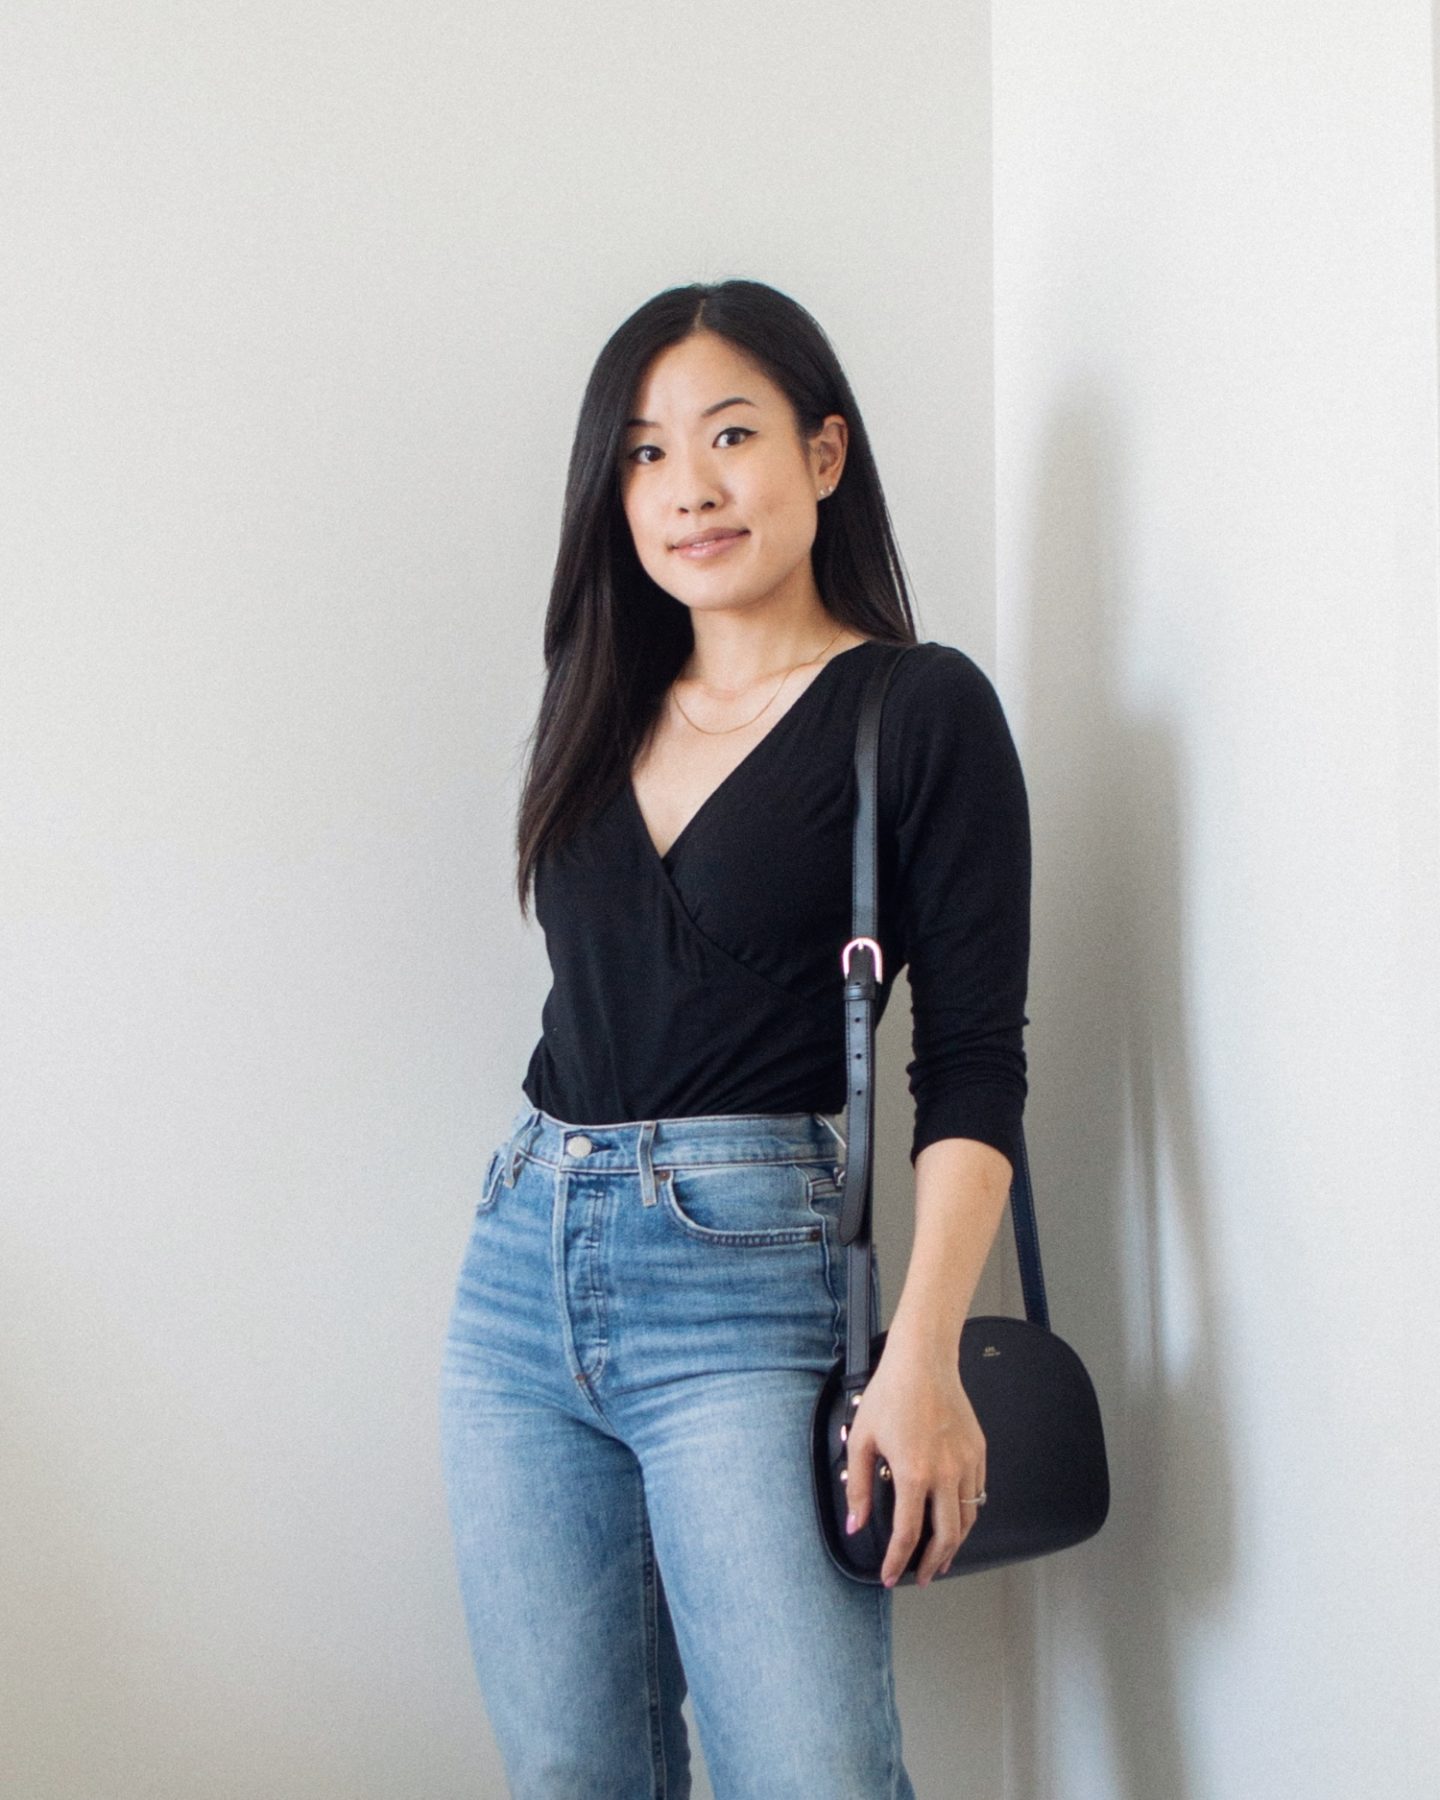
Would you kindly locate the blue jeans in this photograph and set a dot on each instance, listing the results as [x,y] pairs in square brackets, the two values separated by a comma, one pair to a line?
[644,1314]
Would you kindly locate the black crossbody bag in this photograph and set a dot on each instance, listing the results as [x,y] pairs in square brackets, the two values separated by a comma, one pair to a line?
[1047,1481]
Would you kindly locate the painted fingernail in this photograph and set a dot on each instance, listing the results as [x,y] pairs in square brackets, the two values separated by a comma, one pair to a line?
[850,1521]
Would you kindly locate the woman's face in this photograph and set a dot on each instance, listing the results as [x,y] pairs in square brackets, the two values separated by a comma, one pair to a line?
[713,446]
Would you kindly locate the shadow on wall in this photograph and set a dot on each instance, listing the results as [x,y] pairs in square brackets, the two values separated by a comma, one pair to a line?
[1107,791]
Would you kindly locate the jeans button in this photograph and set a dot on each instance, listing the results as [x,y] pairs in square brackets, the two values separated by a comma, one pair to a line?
[579,1146]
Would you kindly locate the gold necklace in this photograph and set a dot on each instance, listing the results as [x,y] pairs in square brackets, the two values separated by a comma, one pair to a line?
[768,704]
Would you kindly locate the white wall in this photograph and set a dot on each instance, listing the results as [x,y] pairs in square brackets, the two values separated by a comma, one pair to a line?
[1216,556]
[298,303]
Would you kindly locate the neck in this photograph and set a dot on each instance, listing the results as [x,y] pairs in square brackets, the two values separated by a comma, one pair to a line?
[731,656]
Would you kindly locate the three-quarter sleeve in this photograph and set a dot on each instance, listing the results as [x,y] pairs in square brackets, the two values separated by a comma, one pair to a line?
[960,856]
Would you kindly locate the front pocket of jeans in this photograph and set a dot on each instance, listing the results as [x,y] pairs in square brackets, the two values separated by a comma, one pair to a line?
[740,1204]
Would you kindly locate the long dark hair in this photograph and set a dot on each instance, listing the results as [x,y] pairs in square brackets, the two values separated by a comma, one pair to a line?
[614,639]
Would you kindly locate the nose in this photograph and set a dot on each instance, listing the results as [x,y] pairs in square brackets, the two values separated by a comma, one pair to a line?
[696,485]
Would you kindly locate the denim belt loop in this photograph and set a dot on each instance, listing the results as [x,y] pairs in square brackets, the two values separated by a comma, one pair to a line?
[647,1166]
[519,1144]
[835,1131]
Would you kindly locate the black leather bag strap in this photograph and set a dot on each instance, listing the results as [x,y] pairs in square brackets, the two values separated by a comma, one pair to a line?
[861,965]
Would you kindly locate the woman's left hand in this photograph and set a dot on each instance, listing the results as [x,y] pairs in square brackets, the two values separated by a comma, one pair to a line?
[916,1415]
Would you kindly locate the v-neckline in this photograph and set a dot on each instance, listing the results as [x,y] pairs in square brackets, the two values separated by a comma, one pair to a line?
[663,857]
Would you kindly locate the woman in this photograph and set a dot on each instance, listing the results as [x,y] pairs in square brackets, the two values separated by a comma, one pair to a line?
[653,1287]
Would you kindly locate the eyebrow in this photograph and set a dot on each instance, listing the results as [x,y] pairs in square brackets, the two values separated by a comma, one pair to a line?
[719,406]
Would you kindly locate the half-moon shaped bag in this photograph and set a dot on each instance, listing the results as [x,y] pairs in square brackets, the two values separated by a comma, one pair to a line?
[1047,1481]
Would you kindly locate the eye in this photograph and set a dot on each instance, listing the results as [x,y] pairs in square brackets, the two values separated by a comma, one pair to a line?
[634,455]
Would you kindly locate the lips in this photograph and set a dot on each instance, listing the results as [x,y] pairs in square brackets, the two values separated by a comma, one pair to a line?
[708,543]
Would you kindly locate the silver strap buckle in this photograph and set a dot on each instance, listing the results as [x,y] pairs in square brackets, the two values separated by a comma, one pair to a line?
[874,949]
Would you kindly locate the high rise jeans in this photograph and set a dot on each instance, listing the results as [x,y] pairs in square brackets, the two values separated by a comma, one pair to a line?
[644,1314]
